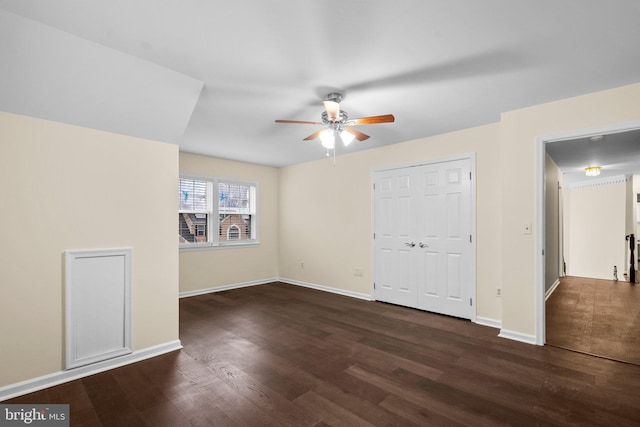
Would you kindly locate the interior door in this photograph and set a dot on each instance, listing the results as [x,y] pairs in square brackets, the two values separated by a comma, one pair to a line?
[394,222]
[444,240]
[422,237]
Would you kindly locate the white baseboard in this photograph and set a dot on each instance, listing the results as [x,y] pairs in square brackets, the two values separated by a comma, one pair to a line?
[517,336]
[50,380]
[358,295]
[551,289]
[486,321]
[186,294]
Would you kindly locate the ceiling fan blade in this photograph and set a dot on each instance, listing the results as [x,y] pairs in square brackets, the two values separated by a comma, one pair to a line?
[333,109]
[372,120]
[299,122]
[314,135]
[359,135]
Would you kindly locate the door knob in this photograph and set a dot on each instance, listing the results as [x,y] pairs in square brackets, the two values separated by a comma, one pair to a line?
[411,245]
[423,245]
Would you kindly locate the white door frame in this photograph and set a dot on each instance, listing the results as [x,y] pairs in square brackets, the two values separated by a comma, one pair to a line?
[472,159]
[540,207]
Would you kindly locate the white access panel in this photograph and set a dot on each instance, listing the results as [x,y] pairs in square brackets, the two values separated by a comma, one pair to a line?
[97,305]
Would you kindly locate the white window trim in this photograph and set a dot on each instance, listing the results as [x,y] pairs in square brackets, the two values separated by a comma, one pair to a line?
[213,224]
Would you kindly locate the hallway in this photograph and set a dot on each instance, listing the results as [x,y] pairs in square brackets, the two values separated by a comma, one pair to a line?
[598,317]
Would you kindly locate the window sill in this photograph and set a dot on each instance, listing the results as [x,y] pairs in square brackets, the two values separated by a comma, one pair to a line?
[206,247]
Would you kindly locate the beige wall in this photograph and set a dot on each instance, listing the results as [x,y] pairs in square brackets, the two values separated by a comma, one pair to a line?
[211,268]
[553,180]
[520,130]
[65,187]
[630,214]
[635,204]
[318,199]
[596,230]
[325,212]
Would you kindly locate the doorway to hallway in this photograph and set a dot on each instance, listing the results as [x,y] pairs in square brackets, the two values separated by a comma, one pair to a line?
[597,317]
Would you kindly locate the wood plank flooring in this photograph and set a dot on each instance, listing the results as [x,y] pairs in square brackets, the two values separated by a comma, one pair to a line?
[600,317]
[281,355]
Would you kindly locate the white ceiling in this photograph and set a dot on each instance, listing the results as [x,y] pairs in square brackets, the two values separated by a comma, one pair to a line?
[213,76]
[618,154]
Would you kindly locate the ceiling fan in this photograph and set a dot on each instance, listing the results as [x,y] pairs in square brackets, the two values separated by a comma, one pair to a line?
[339,126]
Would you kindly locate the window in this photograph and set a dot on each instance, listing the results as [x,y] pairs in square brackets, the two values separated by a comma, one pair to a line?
[207,204]
[195,210]
[233,233]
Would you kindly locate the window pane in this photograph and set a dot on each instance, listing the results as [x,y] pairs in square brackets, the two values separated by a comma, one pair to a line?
[192,227]
[192,195]
[235,198]
[234,227]
[207,204]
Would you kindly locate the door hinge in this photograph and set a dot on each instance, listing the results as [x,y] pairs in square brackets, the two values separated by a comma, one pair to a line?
[374,285]
[374,236]
[470,238]
[469,176]
[374,186]
[471,301]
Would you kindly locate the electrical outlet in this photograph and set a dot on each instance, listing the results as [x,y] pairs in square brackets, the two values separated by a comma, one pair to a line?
[527,228]
[498,292]
[357,272]
[301,264]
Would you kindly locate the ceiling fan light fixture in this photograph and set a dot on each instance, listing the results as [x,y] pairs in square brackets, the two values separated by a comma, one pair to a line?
[328,139]
[333,110]
[347,137]
[339,126]
[592,170]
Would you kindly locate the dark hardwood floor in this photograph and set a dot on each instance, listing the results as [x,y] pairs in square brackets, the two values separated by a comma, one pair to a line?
[278,355]
[599,317]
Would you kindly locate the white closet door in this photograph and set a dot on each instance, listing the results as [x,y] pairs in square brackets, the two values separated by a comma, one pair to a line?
[394,211]
[98,305]
[444,241]
[423,253]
